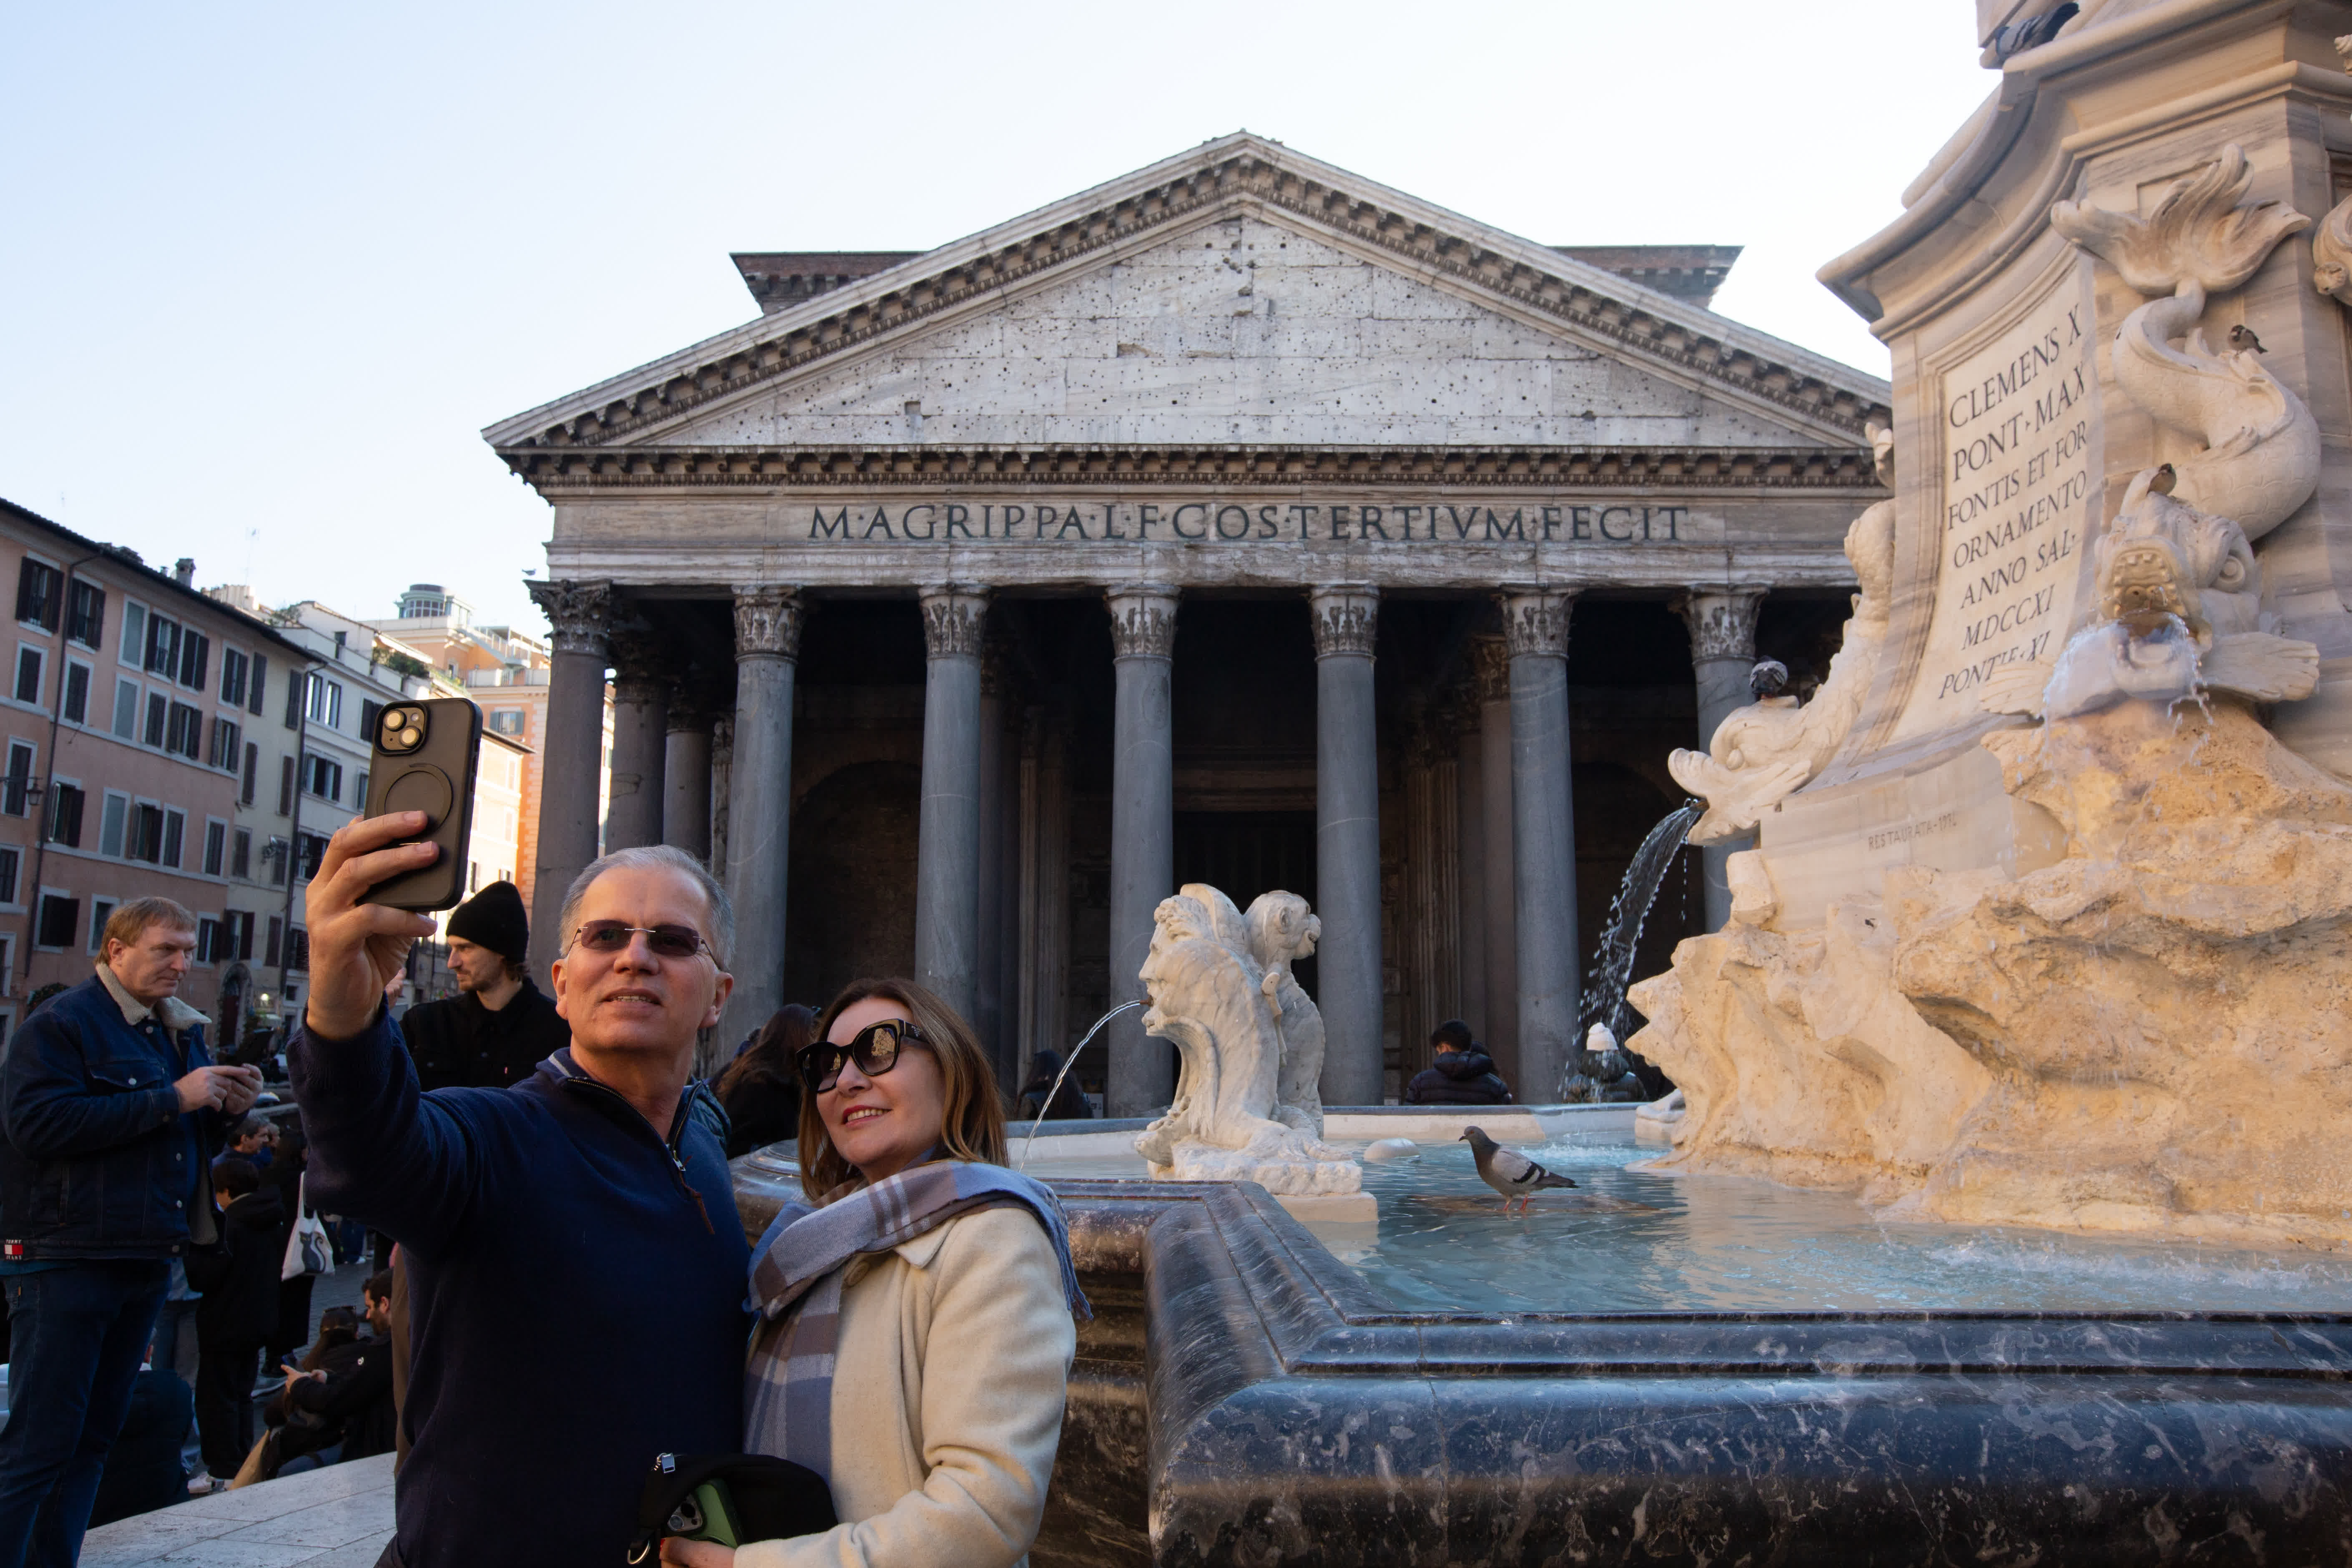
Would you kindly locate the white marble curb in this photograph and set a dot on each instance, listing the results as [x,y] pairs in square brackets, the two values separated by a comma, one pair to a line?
[338,1517]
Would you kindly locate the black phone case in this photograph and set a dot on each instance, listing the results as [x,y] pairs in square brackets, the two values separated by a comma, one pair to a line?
[437,778]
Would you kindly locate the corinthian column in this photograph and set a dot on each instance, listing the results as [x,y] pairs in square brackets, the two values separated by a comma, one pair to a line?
[1543,836]
[947,847]
[571,758]
[1142,831]
[685,775]
[759,805]
[1723,650]
[1499,900]
[640,736]
[1348,844]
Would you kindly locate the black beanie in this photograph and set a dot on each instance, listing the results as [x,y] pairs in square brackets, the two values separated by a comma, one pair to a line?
[493,918]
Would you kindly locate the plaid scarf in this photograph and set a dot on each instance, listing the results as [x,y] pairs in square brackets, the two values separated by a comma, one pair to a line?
[797,1275]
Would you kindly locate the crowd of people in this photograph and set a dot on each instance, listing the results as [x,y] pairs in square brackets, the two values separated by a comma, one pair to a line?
[910,1323]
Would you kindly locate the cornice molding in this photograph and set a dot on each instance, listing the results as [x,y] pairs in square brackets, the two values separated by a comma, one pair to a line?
[1241,172]
[1598,467]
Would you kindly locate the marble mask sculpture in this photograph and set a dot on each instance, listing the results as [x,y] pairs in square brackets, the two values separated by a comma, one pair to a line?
[1249,1046]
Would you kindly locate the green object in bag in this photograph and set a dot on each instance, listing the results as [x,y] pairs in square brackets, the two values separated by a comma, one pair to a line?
[707,1515]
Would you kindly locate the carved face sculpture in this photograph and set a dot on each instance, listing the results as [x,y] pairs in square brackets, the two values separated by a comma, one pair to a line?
[2161,560]
[1282,929]
[1177,920]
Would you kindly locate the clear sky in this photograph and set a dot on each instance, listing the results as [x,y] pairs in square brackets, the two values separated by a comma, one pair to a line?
[268,269]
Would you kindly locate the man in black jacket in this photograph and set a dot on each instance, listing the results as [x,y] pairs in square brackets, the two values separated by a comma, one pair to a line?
[500,1025]
[112,1112]
[1461,1073]
[239,1312]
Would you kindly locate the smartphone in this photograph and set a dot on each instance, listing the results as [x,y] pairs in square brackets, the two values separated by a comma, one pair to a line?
[426,752]
[707,1514]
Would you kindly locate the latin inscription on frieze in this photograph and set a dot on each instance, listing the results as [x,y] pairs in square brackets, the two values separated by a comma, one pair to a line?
[1259,523]
[2018,484]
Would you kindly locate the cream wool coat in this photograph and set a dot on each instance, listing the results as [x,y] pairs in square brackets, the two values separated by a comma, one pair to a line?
[947,1388]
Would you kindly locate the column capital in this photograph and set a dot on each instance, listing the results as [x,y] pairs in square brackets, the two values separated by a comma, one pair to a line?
[578,613]
[1490,672]
[768,621]
[1346,617]
[640,660]
[698,698]
[1142,620]
[1722,621]
[955,616]
[1535,620]
[996,673]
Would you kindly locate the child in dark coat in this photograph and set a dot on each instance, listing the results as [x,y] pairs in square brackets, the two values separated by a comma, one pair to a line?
[240,1281]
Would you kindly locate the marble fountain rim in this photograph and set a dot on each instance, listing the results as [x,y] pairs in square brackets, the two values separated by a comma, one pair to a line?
[1323,1318]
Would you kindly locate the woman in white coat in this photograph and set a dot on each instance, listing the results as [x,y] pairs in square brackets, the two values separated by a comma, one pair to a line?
[941,1283]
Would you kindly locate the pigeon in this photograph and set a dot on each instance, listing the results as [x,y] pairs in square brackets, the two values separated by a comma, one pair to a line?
[2165,477]
[1767,677]
[2243,338]
[1510,1173]
[2019,37]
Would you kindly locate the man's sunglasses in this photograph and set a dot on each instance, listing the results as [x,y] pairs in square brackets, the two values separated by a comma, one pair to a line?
[668,941]
[874,1049]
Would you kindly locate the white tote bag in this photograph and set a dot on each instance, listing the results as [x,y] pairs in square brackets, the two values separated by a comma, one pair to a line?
[307,1251]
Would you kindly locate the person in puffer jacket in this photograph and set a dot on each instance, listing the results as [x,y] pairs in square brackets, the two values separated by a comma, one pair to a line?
[1462,1074]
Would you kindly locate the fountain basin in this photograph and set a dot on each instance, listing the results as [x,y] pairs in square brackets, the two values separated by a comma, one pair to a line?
[1243,1394]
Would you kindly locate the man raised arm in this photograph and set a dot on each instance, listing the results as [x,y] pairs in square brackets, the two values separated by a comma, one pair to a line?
[576,1266]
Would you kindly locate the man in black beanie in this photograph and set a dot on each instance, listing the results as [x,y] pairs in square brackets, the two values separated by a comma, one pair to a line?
[500,1025]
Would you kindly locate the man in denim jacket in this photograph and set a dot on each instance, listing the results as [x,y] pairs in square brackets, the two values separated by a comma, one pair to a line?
[110,1112]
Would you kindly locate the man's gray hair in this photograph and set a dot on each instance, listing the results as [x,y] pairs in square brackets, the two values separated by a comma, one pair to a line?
[667,857]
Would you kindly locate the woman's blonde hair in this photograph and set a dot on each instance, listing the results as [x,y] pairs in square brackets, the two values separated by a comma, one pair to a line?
[972,1125]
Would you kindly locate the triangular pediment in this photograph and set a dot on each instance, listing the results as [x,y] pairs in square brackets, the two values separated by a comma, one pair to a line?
[1239,294]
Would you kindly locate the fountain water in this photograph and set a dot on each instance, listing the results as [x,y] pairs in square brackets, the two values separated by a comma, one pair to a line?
[1067,1063]
[1603,1002]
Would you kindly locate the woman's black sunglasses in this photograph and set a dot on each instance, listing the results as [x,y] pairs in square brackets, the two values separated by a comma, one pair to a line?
[874,1049]
[612,936]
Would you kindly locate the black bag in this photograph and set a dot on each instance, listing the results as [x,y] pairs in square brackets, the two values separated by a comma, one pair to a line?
[773,1499]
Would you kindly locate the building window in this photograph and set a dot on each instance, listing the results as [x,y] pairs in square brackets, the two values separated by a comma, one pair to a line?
[324,701]
[216,846]
[60,919]
[314,848]
[323,777]
[260,678]
[297,950]
[158,713]
[126,710]
[29,675]
[369,713]
[144,840]
[196,659]
[277,935]
[240,927]
[507,720]
[175,828]
[100,911]
[86,614]
[9,862]
[252,766]
[65,815]
[134,633]
[240,855]
[185,735]
[17,786]
[285,785]
[209,943]
[359,792]
[37,588]
[163,647]
[225,737]
[232,678]
[76,692]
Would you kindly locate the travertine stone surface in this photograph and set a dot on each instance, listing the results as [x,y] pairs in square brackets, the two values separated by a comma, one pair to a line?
[2148,1033]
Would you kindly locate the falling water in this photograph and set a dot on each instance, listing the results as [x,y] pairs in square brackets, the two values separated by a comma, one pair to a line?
[1067,1063]
[1612,965]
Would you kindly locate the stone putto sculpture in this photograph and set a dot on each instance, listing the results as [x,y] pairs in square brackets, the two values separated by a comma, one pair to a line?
[1249,1046]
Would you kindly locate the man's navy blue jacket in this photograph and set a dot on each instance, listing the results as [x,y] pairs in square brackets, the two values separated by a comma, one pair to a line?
[99,1160]
[576,1286]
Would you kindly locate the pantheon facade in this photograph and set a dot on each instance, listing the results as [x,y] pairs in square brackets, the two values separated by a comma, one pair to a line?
[1239,521]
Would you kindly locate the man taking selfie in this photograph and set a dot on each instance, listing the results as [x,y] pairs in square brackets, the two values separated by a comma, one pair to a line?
[112,1114]
[586,1184]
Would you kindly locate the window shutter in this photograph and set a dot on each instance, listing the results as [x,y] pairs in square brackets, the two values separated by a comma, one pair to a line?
[258,680]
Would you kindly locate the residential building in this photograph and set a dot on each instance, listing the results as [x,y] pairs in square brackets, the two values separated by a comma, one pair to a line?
[130,712]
